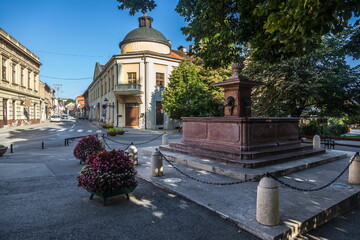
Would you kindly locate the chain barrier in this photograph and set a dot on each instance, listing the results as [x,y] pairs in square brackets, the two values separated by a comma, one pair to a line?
[113,148]
[319,188]
[128,145]
[206,182]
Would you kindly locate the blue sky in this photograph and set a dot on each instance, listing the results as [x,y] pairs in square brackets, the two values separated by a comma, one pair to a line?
[92,28]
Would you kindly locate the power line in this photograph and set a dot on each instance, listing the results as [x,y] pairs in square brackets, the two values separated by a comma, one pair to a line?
[66,54]
[66,78]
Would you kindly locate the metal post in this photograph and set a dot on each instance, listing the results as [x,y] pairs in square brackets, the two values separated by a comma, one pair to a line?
[11,148]
[42,145]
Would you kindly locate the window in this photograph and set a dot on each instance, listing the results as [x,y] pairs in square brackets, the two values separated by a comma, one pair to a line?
[22,77]
[3,72]
[13,72]
[29,82]
[35,88]
[131,77]
[160,79]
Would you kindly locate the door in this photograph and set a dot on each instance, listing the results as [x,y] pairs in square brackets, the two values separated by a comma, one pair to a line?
[132,115]
[5,111]
[159,114]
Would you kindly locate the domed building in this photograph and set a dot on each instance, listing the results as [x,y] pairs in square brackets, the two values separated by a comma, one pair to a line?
[126,91]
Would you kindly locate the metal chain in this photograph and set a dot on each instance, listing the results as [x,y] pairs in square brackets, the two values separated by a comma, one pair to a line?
[141,143]
[206,182]
[113,148]
[319,188]
[106,143]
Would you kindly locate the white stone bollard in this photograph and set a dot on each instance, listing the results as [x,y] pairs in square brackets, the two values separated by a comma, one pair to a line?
[156,164]
[133,154]
[316,142]
[267,202]
[354,170]
[165,139]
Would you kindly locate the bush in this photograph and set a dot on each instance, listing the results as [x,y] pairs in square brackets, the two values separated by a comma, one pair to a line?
[86,146]
[107,172]
[310,129]
[336,130]
[107,126]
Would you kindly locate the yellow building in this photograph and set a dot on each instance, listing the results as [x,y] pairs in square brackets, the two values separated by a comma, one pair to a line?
[47,97]
[126,91]
[19,83]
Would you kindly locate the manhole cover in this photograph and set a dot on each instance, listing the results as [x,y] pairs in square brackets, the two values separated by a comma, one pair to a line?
[172,180]
[340,186]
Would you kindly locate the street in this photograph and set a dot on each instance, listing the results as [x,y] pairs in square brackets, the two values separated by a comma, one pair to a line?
[40,198]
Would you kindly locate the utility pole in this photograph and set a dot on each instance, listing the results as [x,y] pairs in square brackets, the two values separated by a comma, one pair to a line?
[57,88]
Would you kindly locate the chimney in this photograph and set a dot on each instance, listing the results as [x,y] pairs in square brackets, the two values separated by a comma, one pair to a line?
[182,48]
[191,49]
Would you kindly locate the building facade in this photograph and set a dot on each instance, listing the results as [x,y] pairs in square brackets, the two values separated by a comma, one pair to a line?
[47,100]
[19,83]
[126,91]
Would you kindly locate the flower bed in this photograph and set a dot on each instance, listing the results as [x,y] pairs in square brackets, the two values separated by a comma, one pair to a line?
[86,146]
[115,131]
[108,172]
[106,126]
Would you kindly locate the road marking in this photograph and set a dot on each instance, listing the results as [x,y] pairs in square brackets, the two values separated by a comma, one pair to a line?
[98,131]
[89,130]
[52,130]
[80,130]
[71,130]
[73,125]
[61,130]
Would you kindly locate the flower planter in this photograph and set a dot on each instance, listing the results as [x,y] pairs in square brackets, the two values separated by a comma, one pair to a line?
[120,132]
[113,194]
[111,133]
[3,150]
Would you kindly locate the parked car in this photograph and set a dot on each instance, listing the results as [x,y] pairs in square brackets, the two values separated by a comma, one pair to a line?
[64,116]
[55,118]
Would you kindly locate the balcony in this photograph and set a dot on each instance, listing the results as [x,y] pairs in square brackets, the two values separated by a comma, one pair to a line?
[127,89]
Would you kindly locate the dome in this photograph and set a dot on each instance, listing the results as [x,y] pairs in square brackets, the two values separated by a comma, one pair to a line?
[145,33]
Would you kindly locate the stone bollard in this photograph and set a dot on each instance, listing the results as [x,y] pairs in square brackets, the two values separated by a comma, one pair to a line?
[267,202]
[165,139]
[354,170]
[156,164]
[133,154]
[316,142]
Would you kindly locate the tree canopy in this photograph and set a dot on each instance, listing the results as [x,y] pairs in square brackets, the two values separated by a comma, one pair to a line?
[320,82]
[190,92]
[224,30]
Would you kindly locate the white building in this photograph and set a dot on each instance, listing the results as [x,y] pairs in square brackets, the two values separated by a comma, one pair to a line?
[126,91]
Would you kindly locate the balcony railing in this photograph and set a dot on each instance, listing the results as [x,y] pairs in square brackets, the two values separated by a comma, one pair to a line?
[128,89]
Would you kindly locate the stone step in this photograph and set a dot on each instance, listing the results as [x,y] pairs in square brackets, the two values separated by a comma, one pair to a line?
[236,154]
[241,173]
[252,163]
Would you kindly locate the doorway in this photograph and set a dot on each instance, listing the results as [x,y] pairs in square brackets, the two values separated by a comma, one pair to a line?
[131,115]
[159,113]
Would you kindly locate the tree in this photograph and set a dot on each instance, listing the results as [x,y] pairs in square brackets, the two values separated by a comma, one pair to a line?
[319,81]
[69,100]
[190,92]
[223,30]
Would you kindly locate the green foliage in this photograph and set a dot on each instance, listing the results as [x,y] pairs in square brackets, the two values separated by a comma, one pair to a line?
[190,92]
[113,130]
[319,82]
[69,101]
[1,146]
[223,30]
[137,5]
[310,129]
[328,130]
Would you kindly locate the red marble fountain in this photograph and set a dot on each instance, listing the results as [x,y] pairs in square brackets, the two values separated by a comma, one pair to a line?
[237,138]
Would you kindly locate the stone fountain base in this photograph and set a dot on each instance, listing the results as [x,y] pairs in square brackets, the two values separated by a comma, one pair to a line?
[244,141]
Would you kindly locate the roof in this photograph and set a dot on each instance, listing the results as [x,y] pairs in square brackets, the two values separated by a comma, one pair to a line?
[145,32]
[173,54]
